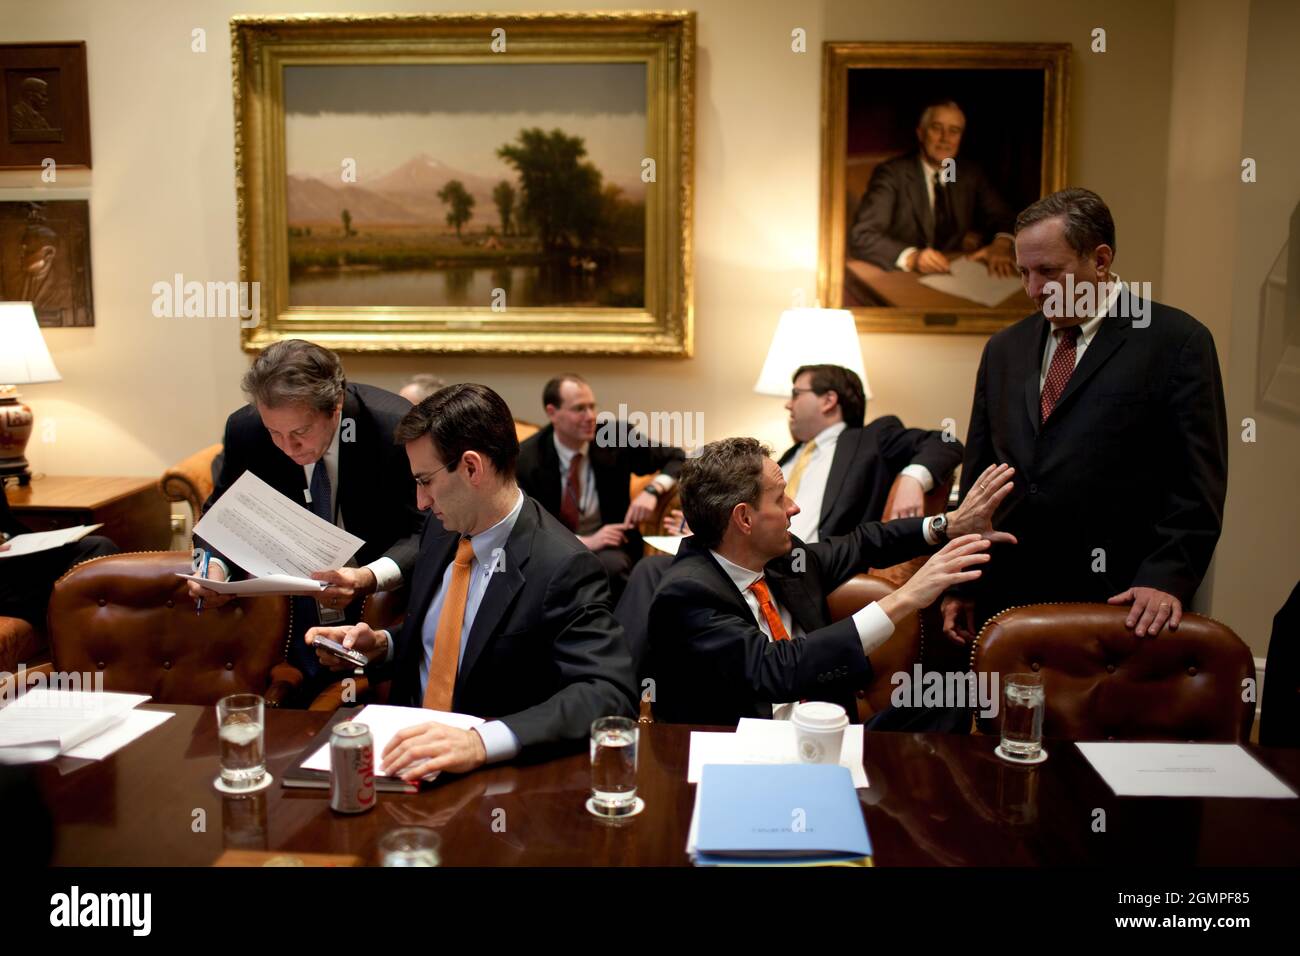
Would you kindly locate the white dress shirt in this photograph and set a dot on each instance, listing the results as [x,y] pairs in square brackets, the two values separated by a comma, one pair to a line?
[812,486]
[873,624]
[1087,332]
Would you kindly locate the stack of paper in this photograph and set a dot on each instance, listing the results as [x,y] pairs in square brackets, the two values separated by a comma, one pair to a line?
[971,280]
[384,722]
[32,542]
[787,814]
[758,741]
[43,724]
[1134,769]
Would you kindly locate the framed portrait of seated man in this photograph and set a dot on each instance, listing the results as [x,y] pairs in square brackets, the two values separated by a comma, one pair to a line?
[929,150]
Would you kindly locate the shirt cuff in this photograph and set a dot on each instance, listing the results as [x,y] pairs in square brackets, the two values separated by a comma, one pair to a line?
[1005,235]
[874,627]
[921,474]
[225,569]
[664,482]
[499,741]
[388,654]
[932,537]
[388,576]
[901,261]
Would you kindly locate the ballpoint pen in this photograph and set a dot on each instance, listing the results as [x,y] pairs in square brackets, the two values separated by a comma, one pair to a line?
[203,572]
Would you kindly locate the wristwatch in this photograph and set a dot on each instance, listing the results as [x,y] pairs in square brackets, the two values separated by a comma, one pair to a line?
[653,489]
[939,527]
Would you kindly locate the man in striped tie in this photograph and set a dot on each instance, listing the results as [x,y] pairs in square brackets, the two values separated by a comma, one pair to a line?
[739,626]
[1110,406]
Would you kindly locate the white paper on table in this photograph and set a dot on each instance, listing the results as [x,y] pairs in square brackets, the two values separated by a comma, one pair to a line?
[33,542]
[775,739]
[971,280]
[385,720]
[134,725]
[43,723]
[272,584]
[667,543]
[1182,770]
[266,533]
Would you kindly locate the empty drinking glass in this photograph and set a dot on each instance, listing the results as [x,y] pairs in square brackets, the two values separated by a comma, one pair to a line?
[613,765]
[1022,717]
[410,846]
[242,738]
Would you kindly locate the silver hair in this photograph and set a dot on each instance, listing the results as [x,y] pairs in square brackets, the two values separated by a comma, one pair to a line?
[296,372]
[928,112]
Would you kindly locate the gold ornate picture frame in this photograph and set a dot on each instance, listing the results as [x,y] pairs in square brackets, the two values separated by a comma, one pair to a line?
[1012,100]
[476,184]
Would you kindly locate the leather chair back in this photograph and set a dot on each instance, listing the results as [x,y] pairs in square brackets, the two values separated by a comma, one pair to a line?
[899,653]
[1104,683]
[129,616]
[190,480]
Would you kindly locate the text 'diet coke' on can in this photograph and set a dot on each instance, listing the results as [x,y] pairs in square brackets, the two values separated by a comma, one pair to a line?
[352,768]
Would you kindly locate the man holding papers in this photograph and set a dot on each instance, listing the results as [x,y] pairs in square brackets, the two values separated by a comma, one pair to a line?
[510,614]
[739,626]
[328,445]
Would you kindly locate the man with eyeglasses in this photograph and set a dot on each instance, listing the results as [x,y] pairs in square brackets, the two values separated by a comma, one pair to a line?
[326,444]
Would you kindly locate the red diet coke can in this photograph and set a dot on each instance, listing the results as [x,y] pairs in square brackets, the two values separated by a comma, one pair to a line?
[352,768]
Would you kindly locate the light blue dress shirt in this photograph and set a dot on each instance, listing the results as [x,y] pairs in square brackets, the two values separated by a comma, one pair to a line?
[489,555]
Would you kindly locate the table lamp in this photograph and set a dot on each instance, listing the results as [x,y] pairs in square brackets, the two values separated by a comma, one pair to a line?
[24,360]
[810,337]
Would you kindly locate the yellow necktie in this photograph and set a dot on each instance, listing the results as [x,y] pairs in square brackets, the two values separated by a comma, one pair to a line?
[800,466]
[446,639]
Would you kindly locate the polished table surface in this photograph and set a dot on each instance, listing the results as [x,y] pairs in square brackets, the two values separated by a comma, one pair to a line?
[934,799]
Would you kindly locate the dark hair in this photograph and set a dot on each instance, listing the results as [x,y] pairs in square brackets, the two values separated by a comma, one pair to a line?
[725,473]
[296,372]
[461,418]
[1088,223]
[844,383]
[551,392]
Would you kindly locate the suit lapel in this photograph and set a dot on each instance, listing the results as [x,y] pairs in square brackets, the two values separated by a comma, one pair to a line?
[1030,371]
[846,446]
[789,453]
[352,457]
[548,487]
[504,584]
[432,563]
[791,592]
[921,199]
[1110,336]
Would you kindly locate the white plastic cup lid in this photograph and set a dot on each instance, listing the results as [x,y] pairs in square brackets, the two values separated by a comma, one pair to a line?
[820,715]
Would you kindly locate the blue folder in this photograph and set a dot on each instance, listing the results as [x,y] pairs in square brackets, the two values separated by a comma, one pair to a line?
[779,813]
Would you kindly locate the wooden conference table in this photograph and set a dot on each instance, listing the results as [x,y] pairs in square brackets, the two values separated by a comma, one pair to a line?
[934,799]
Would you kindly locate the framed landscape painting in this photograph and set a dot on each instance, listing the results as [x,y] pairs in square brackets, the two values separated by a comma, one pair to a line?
[485,183]
[929,150]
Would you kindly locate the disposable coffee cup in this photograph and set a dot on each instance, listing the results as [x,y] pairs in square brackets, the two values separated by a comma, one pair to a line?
[819,731]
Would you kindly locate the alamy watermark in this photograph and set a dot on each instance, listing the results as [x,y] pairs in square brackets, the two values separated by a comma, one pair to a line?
[208,300]
[1072,300]
[637,429]
[952,689]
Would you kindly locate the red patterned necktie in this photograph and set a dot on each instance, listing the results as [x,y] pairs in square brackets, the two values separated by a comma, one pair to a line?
[569,511]
[1059,372]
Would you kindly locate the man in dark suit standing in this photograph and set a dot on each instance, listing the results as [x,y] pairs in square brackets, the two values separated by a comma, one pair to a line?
[1110,406]
[921,208]
[510,614]
[584,481]
[326,444]
[840,472]
[739,626]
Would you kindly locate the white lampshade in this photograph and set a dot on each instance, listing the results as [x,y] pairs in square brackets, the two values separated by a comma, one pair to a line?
[24,360]
[811,337]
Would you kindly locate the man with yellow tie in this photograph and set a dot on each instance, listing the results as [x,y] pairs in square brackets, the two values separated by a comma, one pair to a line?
[739,626]
[510,614]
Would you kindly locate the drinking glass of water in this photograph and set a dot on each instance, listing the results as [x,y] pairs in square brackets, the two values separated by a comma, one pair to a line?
[410,846]
[613,766]
[1022,718]
[243,752]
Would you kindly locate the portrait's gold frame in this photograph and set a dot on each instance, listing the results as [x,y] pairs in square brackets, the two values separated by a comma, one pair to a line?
[840,57]
[261,46]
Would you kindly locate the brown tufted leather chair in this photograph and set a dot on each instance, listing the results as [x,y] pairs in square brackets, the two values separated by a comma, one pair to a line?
[20,643]
[129,616]
[190,479]
[1104,683]
[899,653]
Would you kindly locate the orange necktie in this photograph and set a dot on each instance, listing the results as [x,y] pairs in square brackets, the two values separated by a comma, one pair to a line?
[768,610]
[446,639]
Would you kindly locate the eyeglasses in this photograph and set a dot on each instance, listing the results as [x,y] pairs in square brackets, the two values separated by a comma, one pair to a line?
[796,392]
[422,481]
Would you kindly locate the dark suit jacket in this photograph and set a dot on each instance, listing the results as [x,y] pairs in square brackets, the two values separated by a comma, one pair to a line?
[894,213]
[713,665]
[538,472]
[1132,461]
[375,493]
[866,462]
[544,655]
[9,522]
